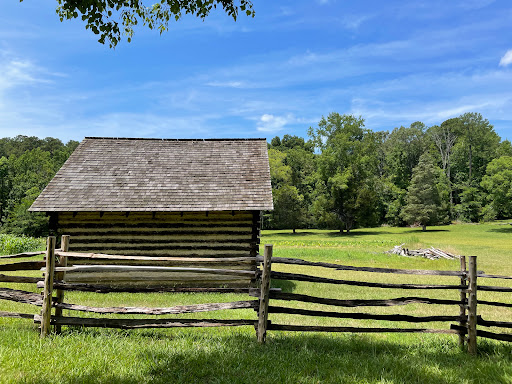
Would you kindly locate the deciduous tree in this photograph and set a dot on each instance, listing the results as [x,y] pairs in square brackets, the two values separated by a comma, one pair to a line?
[111,18]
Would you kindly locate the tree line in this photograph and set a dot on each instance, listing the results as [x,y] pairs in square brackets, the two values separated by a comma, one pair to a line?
[346,176]
[27,164]
[343,176]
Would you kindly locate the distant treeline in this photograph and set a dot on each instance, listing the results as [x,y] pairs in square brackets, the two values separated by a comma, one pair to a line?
[342,176]
[27,164]
[345,175]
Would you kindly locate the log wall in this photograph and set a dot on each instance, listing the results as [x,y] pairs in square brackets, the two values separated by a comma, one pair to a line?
[220,240]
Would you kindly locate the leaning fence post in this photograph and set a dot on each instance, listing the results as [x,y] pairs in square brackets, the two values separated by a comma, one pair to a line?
[46,311]
[463,300]
[472,301]
[265,294]
[63,262]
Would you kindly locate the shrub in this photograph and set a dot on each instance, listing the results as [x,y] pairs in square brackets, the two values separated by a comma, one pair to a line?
[10,244]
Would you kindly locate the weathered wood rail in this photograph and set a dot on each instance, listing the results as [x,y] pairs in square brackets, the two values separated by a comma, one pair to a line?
[104,273]
[466,321]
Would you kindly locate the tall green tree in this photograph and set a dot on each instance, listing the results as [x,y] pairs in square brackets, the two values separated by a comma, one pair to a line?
[347,169]
[498,184]
[423,202]
[289,210]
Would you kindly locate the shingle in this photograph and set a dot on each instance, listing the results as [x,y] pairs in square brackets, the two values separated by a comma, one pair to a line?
[161,175]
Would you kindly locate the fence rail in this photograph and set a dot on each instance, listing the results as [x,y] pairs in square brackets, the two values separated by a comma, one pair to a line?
[67,271]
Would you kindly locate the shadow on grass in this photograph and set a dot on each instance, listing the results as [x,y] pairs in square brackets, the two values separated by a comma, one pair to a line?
[418,230]
[193,356]
[285,285]
[501,230]
[321,358]
[356,233]
[297,234]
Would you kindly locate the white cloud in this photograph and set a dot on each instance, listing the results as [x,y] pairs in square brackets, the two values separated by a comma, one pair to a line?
[271,123]
[506,59]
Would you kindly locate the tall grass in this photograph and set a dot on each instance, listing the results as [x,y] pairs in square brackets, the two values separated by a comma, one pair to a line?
[10,244]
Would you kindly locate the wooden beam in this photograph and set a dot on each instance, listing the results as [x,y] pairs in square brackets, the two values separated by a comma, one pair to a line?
[316,279]
[314,328]
[265,294]
[472,305]
[63,262]
[46,311]
[194,308]
[360,303]
[146,323]
[361,316]
[284,260]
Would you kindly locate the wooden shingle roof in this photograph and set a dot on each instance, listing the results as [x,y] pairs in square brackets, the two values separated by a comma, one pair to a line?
[118,174]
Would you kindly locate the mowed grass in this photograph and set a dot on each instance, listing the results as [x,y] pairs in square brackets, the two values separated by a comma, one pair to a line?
[232,355]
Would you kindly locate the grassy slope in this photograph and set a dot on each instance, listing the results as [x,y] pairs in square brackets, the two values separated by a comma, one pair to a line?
[232,355]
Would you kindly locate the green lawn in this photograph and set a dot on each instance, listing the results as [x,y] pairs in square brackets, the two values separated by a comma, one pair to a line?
[233,356]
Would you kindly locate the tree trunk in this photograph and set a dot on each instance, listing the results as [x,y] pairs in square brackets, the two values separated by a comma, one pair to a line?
[293,230]
[423,227]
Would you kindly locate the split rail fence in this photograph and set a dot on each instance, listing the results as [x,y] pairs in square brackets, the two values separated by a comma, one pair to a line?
[57,264]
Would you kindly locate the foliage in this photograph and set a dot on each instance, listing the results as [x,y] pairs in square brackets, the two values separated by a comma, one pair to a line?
[423,202]
[498,184]
[10,244]
[289,209]
[347,167]
[111,18]
[26,166]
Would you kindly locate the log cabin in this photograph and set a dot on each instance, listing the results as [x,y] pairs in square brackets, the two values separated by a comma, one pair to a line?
[182,202]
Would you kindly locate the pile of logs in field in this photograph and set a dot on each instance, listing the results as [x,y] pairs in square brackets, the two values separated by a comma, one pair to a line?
[430,253]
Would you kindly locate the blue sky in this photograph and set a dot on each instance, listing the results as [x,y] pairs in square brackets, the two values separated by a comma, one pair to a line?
[392,62]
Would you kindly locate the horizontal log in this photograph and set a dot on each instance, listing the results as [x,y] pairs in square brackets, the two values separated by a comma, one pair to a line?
[159,225]
[208,264]
[141,268]
[285,260]
[149,278]
[78,255]
[19,279]
[150,216]
[360,303]
[21,296]
[145,323]
[494,289]
[103,288]
[362,316]
[167,252]
[16,315]
[151,240]
[158,232]
[23,254]
[194,308]
[22,266]
[127,247]
[494,303]
[314,328]
[484,334]
[315,279]
[490,323]
[484,275]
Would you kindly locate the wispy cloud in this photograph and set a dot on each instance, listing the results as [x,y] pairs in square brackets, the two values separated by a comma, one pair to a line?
[506,59]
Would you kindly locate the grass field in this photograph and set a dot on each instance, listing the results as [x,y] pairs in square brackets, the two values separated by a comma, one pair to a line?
[233,355]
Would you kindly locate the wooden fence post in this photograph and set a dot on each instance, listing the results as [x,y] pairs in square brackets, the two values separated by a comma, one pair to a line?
[265,294]
[463,300]
[63,262]
[46,311]
[472,301]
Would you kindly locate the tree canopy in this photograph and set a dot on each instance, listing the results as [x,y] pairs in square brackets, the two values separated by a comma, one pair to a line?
[112,18]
